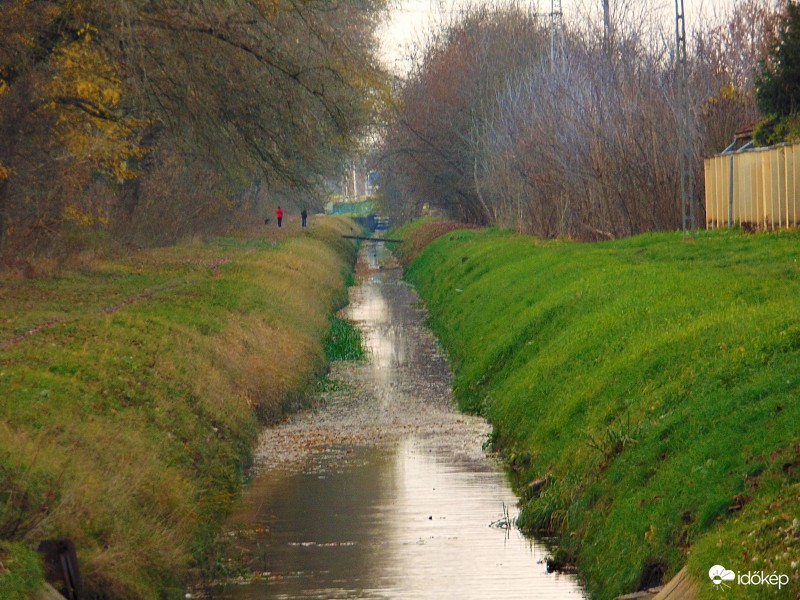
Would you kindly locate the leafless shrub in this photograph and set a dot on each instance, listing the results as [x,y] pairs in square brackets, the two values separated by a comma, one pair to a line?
[579,139]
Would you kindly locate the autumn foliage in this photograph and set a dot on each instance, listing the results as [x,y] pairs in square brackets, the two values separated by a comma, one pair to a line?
[127,122]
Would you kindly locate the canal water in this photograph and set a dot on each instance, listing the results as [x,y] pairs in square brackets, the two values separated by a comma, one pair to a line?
[383,489]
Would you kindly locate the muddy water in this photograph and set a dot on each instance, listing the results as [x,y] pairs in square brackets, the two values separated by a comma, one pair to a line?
[383,490]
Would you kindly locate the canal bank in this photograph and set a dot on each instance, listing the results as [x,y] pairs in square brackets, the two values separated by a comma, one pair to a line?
[643,391]
[129,390]
[383,490]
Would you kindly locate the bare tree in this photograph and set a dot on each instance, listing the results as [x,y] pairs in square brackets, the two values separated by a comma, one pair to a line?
[582,144]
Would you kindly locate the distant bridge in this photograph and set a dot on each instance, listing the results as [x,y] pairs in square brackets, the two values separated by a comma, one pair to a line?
[373,222]
[371,239]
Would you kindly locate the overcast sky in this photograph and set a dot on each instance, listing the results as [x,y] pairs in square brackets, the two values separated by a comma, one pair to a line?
[412,18]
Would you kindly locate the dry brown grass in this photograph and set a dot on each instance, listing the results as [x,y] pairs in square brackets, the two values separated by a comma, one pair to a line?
[128,431]
[418,235]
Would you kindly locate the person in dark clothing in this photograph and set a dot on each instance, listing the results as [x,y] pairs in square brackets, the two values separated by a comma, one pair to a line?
[304,216]
[279,215]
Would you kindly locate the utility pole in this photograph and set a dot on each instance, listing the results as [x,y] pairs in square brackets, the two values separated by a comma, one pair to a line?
[688,203]
[556,31]
[355,181]
[606,24]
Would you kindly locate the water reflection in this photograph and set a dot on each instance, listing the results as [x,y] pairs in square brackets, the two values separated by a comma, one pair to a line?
[393,497]
[406,522]
[443,545]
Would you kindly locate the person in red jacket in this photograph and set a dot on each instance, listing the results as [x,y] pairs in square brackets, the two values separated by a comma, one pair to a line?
[279,215]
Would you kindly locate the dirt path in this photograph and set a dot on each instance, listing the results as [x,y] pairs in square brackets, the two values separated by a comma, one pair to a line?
[145,294]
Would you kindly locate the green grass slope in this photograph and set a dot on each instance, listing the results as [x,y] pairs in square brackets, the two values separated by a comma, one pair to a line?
[654,383]
[131,392]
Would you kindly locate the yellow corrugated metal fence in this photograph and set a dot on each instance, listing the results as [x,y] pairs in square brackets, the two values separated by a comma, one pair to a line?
[766,187]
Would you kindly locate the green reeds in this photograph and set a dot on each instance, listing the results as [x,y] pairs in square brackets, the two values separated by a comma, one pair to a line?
[343,341]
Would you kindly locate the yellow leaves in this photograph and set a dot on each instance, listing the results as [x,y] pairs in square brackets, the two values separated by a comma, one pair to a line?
[51,11]
[84,70]
[727,92]
[5,172]
[3,87]
[85,88]
[75,215]
[86,31]
[111,96]
[85,93]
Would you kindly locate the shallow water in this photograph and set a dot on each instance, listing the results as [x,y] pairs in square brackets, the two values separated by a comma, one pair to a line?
[383,490]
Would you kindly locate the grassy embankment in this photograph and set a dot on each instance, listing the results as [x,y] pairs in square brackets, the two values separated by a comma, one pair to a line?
[127,420]
[654,382]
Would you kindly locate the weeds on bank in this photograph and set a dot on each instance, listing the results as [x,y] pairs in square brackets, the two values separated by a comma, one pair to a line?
[614,439]
[328,385]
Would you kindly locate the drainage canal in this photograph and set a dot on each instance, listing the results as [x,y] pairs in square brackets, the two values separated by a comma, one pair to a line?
[383,490]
